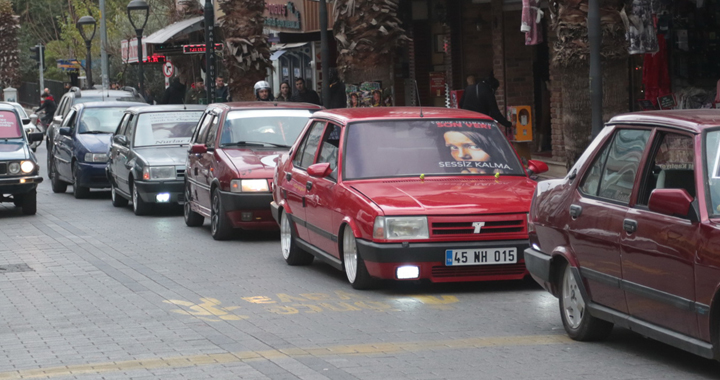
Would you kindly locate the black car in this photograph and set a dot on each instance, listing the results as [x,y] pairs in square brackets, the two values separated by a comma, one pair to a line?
[19,176]
[148,154]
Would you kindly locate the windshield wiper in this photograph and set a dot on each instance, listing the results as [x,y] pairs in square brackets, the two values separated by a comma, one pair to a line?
[93,132]
[254,143]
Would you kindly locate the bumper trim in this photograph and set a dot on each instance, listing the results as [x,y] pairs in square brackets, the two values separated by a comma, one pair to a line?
[245,201]
[16,180]
[538,264]
[426,252]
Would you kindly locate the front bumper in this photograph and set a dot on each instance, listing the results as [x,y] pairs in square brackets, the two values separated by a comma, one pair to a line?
[92,175]
[19,185]
[148,190]
[383,259]
[249,211]
[539,265]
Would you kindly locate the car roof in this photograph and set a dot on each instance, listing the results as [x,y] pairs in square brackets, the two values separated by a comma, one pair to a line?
[693,120]
[103,93]
[166,108]
[266,105]
[6,106]
[113,103]
[348,115]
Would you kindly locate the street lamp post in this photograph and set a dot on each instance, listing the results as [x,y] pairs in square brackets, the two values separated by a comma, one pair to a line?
[84,25]
[138,12]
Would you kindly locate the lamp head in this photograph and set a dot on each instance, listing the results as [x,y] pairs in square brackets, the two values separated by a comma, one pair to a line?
[86,26]
[138,12]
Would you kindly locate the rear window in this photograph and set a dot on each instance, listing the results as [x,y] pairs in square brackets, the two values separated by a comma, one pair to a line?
[430,147]
[100,120]
[9,125]
[275,127]
[89,99]
[165,128]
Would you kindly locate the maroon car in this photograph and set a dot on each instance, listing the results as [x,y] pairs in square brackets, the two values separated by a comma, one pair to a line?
[231,162]
[631,236]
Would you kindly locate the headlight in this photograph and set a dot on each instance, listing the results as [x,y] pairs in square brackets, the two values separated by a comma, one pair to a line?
[156,173]
[96,157]
[401,228]
[27,166]
[14,168]
[249,186]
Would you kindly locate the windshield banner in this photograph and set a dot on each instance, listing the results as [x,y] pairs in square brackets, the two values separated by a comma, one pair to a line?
[9,127]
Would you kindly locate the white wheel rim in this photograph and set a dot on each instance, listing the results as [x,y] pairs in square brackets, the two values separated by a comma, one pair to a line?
[135,198]
[215,214]
[285,235]
[350,255]
[112,193]
[573,302]
[186,206]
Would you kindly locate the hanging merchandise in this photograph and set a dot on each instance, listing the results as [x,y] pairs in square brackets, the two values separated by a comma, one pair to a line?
[640,28]
[656,76]
[531,22]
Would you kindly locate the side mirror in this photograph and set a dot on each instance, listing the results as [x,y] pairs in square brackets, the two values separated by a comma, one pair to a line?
[537,167]
[26,121]
[33,137]
[320,170]
[673,202]
[198,149]
[65,131]
[57,119]
[33,119]
[120,140]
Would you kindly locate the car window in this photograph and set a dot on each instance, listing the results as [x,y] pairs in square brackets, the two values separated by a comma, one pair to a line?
[130,128]
[270,127]
[202,128]
[712,162]
[123,125]
[212,133]
[60,110]
[671,166]
[329,148]
[306,153]
[202,138]
[9,125]
[100,120]
[165,128]
[618,166]
[69,120]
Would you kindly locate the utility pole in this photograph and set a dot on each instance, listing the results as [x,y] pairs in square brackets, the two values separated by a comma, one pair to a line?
[209,51]
[103,47]
[324,53]
[596,85]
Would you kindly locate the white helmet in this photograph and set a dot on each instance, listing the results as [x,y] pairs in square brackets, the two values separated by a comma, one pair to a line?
[261,85]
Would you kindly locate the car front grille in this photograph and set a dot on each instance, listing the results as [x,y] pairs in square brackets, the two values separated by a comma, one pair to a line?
[479,270]
[493,226]
[3,168]
[180,174]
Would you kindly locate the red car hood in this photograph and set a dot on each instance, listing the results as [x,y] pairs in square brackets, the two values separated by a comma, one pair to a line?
[256,163]
[449,196]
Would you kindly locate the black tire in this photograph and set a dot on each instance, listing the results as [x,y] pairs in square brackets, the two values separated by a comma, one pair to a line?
[117,199]
[57,185]
[576,318]
[49,161]
[140,207]
[192,219]
[360,279]
[292,253]
[29,203]
[220,227]
[18,200]
[79,192]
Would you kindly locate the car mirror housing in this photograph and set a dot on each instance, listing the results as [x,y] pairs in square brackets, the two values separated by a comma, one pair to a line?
[33,137]
[26,121]
[65,131]
[673,202]
[120,140]
[198,149]
[537,167]
[320,170]
[57,119]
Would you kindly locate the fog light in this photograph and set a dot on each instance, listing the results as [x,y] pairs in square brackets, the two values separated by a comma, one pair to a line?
[163,197]
[408,272]
[22,180]
[246,216]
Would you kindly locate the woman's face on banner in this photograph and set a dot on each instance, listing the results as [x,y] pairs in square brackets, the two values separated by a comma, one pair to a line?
[462,148]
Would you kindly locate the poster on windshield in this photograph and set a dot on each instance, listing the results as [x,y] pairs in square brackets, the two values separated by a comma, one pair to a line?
[166,128]
[473,147]
[9,127]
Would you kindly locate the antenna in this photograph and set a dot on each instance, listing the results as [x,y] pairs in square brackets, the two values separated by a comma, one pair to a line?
[417,95]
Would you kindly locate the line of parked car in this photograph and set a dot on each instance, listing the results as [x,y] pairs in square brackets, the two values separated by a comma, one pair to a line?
[627,238]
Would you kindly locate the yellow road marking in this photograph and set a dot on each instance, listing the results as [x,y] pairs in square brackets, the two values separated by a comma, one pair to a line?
[241,356]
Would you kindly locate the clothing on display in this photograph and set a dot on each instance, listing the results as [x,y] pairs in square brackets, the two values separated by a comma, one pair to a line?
[656,76]
[640,27]
[531,22]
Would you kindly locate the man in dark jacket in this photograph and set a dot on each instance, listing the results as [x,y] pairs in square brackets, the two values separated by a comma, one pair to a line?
[338,98]
[304,94]
[49,106]
[175,93]
[222,94]
[480,97]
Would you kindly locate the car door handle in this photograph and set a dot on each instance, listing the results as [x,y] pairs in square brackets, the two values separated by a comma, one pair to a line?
[630,226]
[288,176]
[575,211]
[308,185]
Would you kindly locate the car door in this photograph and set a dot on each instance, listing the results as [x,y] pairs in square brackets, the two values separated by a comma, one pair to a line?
[193,166]
[125,166]
[118,156]
[659,251]
[209,160]
[63,147]
[597,212]
[297,179]
[322,212]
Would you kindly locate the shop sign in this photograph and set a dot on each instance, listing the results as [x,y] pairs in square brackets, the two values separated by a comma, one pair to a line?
[199,49]
[129,50]
[285,16]
[437,83]
[667,102]
[68,65]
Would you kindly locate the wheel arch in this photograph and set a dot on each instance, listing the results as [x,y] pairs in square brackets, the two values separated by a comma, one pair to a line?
[347,223]
[560,256]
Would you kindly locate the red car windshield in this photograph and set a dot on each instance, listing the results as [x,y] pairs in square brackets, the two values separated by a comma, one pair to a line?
[9,125]
[382,149]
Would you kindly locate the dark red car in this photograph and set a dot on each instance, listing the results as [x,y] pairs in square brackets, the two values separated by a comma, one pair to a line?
[631,236]
[404,194]
[231,161]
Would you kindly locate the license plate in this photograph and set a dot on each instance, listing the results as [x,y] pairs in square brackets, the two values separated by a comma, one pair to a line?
[487,256]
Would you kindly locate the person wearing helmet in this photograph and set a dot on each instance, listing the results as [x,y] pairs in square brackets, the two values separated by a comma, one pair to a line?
[263,92]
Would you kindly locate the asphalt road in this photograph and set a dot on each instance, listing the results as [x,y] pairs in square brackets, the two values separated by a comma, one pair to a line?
[101,293]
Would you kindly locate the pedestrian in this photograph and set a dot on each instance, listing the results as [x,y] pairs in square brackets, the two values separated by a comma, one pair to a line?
[263,92]
[304,94]
[48,106]
[196,95]
[149,98]
[175,93]
[284,95]
[338,98]
[480,97]
[221,90]
[471,80]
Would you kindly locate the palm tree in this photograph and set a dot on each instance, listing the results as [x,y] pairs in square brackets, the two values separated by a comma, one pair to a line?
[247,55]
[367,32]
[9,60]
[571,59]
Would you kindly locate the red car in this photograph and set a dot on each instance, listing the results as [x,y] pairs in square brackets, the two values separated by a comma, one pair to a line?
[404,194]
[631,236]
[231,161]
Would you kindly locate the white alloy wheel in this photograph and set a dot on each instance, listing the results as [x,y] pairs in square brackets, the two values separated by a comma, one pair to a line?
[285,235]
[573,302]
[350,256]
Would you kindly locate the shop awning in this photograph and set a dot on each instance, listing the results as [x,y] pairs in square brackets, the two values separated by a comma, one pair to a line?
[280,49]
[177,29]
